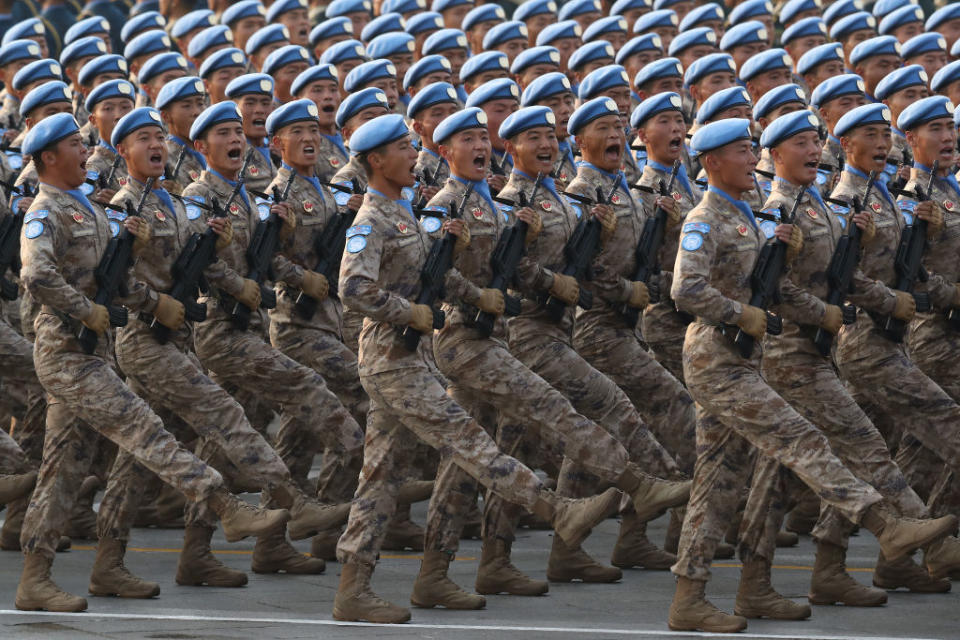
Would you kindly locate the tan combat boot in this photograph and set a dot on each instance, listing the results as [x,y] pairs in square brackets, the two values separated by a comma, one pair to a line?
[496,574]
[908,574]
[356,602]
[403,533]
[240,520]
[13,524]
[787,539]
[652,496]
[568,564]
[165,511]
[756,597]
[307,516]
[111,578]
[82,523]
[433,588]
[831,583]
[574,518]
[198,566]
[324,545]
[942,558]
[273,554]
[38,592]
[899,535]
[634,549]
[691,611]
[16,486]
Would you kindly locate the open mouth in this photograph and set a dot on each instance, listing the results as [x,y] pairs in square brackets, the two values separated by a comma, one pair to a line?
[676,144]
[545,157]
[327,108]
[480,162]
[813,164]
[156,158]
[259,122]
[612,152]
[880,158]
[309,151]
[234,154]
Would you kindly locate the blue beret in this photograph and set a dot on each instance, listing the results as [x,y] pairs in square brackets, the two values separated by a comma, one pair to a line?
[911,75]
[179,89]
[663,68]
[646,42]
[883,8]
[533,56]
[531,8]
[719,134]
[483,62]
[468,118]
[283,56]
[267,35]
[603,26]
[879,46]
[147,21]
[313,74]
[45,69]
[956,117]
[622,6]
[48,132]
[391,44]
[339,26]
[87,27]
[243,9]
[424,22]
[136,119]
[149,42]
[343,7]
[343,51]
[295,111]
[80,48]
[46,93]
[527,118]
[367,72]
[777,97]
[558,31]
[875,113]
[859,21]
[602,79]
[655,19]
[281,7]
[574,8]
[110,63]
[665,4]
[923,111]
[659,103]
[749,10]
[795,7]
[721,101]
[504,32]
[499,89]
[249,84]
[29,28]
[787,126]
[549,84]
[444,40]
[442,5]
[483,13]
[818,55]
[904,15]
[938,17]
[837,86]
[768,60]
[945,77]
[403,6]
[704,13]
[590,111]
[803,29]
[386,23]
[208,38]
[161,64]
[923,43]
[357,102]
[222,59]
[430,95]
[424,67]
[841,9]
[378,132]
[199,19]
[744,33]
[692,38]
[226,111]
[713,63]
[590,52]
[110,89]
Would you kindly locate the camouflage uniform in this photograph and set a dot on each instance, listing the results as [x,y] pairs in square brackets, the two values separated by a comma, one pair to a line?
[720,243]
[260,170]
[10,117]
[332,157]
[102,159]
[344,177]
[832,156]
[193,163]
[437,166]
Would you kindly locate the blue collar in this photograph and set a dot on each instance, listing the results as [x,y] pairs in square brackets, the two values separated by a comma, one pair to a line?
[337,141]
[312,179]
[950,179]
[78,195]
[617,177]
[567,150]
[742,206]
[264,151]
[545,181]
[196,155]
[403,202]
[232,183]
[681,174]
[878,184]
[106,145]
[481,188]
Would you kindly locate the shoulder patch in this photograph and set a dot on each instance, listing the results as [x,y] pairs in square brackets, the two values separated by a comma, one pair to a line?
[822,176]
[839,209]
[768,227]
[33,229]
[341,197]
[575,206]
[356,244]
[15,160]
[907,208]
[359,230]
[263,208]
[692,241]
[114,214]
[699,227]
[436,208]
[766,185]
[39,214]
[193,211]
[114,228]
[408,194]
[430,223]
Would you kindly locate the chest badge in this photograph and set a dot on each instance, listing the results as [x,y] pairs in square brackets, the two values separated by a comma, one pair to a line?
[194,174]
[161,216]
[77,217]
[676,196]
[334,162]
[615,199]
[546,205]
[235,209]
[254,171]
[477,213]
[563,176]
[876,207]
[122,181]
[948,205]
[308,206]
[742,229]
[812,213]
[402,227]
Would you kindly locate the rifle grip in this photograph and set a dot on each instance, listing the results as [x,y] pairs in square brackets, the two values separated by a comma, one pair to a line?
[511,305]
[8,290]
[585,301]
[849,314]
[118,316]
[923,301]
[268,297]
[195,311]
[439,319]
[774,324]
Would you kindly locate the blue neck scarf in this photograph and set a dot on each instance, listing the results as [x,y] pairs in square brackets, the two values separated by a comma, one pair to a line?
[877,184]
[264,151]
[950,179]
[312,179]
[232,183]
[481,188]
[106,145]
[191,151]
[337,141]
[739,204]
[82,199]
[403,202]
[161,194]
[681,174]
[617,177]
[545,182]
[567,150]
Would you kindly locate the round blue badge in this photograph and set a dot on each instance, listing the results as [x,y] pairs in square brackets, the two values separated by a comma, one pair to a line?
[86,189]
[407,194]
[15,160]
[114,228]
[692,241]
[768,227]
[341,198]
[908,217]
[193,212]
[263,210]
[356,244]
[431,224]
[33,229]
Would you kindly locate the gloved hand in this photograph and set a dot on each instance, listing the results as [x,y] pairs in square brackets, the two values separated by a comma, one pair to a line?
[421,318]
[906,306]
[98,320]
[608,221]
[832,319]
[250,295]
[794,244]
[640,296]
[932,212]
[956,295]
[462,232]
[868,228]
[141,232]
[223,227]
[315,285]
[285,213]
[169,312]
[674,217]
[565,288]
[534,223]
[491,301]
[753,321]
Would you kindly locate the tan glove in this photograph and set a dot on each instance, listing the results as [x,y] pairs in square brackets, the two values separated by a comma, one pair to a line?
[421,318]
[224,239]
[639,296]
[868,228]
[315,285]
[491,301]
[906,306]
[608,221]
[932,212]
[565,288]
[250,295]
[169,312]
[534,223]
[289,223]
[832,319]
[98,320]
[674,217]
[753,321]
[141,233]
[795,245]
[956,296]
[463,241]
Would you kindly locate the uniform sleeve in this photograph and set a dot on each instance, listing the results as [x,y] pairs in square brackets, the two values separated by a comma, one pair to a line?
[942,291]
[219,274]
[42,278]
[872,295]
[358,287]
[799,305]
[691,289]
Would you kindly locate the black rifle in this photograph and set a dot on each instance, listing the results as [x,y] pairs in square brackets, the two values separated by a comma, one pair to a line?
[647,255]
[104,181]
[172,175]
[764,282]
[908,264]
[496,168]
[354,188]
[429,180]
[580,251]
[504,260]
[111,274]
[843,266]
[10,244]
[433,273]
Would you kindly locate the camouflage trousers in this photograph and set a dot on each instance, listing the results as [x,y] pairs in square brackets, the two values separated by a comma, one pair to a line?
[407,404]
[670,355]
[12,458]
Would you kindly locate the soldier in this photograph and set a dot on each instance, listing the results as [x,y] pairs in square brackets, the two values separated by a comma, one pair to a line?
[693,44]
[588,58]
[819,64]
[553,90]
[901,23]
[706,76]
[662,22]
[13,57]
[735,407]
[946,82]
[345,56]
[107,104]
[929,50]
[765,71]
[142,48]
[244,19]
[357,109]
[58,271]
[293,15]
[285,64]
[803,36]
[157,73]
[380,74]
[183,29]
[180,103]
[452,45]
[898,90]
[207,42]
[253,93]
[264,42]
[638,53]
[482,68]
[832,99]
[851,30]
[565,36]
[422,26]
[219,69]
[533,63]
[498,99]
[509,37]
[426,70]
[355,10]
[745,40]
[428,109]
[44,101]
[612,82]
[319,83]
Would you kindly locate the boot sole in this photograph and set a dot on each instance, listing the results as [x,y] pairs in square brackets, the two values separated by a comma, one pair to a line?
[944,530]
[343,618]
[755,614]
[271,526]
[289,571]
[834,601]
[585,579]
[892,586]
[440,604]
[497,592]
[204,583]
[107,593]
[29,607]
[694,627]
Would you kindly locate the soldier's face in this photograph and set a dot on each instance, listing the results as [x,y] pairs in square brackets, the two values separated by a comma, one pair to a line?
[621,95]
[602,142]
[876,68]
[144,152]
[562,106]
[667,34]
[535,150]
[903,99]
[216,83]
[298,144]
[284,77]
[931,61]
[396,163]
[711,84]
[497,111]
[760,84]
[430,78]
[428,119]
[107,113]
[907,31]
[782,110]
[690,54]
[468,154]
[797,157]
[822,72]
[222,146]
[833,110]
[326,95]
[532,73]
[245,28]
[538,23]
[867,147]
[663,134]
[359,19]
[453,17]
[402,62]
[389,88]
[254,109]
[638,61]
[512,48]
[801,45]
[744,52]
[732,166]
[298,24]
[935,141]
[456,58]
[48,110]
[153,87]
[68,159]
[180,115]
[566,47]
[486,76]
